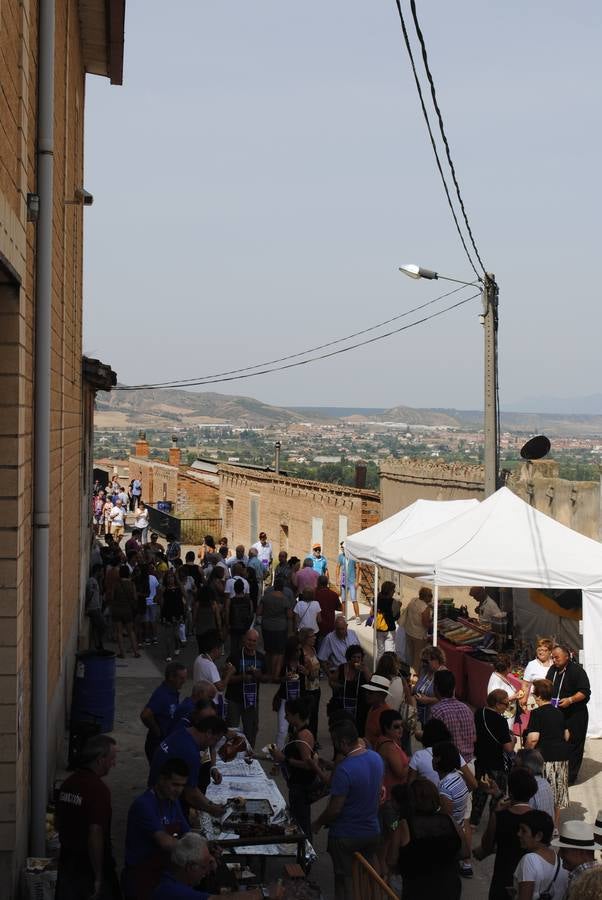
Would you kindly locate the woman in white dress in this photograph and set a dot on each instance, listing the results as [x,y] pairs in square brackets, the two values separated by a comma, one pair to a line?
[536,669]
[499,680]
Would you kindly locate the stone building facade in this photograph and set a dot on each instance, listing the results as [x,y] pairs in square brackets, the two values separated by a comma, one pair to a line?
[574,503]
[88,37]
[293,512]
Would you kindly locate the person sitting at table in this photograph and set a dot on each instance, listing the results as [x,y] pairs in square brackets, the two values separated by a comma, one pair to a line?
[500,681]
[191,862]
[155,823]
[300,763]
[431,660]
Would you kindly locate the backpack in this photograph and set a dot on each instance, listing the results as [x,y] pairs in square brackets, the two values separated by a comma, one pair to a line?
[241,615]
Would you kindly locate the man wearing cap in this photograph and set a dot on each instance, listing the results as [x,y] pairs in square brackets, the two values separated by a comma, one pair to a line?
[576,847]
[319,562]
[376,699]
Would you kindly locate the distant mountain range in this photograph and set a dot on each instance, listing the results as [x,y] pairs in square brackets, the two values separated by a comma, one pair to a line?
[590,405]
[177,409]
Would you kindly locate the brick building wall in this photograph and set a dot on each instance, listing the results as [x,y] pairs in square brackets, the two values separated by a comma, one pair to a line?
[70,413]
[293,512]
[197,498]
[191,495]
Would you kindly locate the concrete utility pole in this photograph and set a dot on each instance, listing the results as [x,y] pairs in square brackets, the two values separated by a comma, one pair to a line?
[489,318]
[490,327]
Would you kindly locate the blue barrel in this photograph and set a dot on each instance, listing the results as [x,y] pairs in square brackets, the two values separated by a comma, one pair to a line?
[94,688]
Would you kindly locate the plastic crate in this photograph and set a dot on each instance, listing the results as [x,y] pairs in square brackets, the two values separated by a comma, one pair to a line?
[39,879]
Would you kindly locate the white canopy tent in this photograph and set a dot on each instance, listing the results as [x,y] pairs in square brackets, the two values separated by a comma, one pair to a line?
[419,516]
[504,542]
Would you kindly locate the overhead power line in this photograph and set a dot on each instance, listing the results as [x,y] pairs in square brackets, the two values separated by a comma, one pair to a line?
[305,362]
[183,382]
[432,138]
[442,129]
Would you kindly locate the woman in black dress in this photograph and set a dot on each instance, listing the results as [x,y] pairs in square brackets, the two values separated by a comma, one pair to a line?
[501,834]
[346,683]
[548,734]
[300,763]
[571,693]
[426,845]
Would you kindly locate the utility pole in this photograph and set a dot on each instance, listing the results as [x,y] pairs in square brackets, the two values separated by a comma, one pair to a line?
[490,326]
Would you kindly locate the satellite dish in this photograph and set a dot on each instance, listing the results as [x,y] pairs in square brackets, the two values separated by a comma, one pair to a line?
[536,448]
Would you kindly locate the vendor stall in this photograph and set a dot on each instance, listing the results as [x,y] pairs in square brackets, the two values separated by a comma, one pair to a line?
[505,542]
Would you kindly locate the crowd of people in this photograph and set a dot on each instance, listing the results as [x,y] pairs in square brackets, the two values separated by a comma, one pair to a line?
[413,768]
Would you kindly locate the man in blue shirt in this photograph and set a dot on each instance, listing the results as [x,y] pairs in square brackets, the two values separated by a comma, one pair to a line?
[155,823]
[188,744]
[346,580]
[158,713]
[352,811]
[319,562]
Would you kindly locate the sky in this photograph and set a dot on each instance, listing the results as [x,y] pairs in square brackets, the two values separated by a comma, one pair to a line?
[265,169]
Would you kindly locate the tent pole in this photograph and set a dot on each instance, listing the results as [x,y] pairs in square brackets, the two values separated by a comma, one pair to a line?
[435,614]
[375,607]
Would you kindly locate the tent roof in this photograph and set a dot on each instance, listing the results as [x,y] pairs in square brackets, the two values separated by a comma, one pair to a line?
[419,516]
[501,541]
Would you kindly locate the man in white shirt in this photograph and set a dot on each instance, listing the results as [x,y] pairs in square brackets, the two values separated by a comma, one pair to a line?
[238,572]
[264,550]
[487,609]
[117,517]
[204,668]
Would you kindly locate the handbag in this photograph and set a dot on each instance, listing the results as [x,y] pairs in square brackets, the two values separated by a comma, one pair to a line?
[508,758]
[409,716]
[381,622]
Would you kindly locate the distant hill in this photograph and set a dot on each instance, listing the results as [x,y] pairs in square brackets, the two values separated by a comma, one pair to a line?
[167,409]
[177,409]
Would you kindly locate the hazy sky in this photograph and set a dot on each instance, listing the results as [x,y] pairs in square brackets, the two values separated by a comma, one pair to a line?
[265,168]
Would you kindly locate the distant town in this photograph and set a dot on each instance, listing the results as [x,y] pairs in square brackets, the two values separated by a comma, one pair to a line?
[329,451]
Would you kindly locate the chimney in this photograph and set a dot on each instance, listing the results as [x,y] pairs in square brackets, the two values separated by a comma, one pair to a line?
[174,456]
[277,446]
[360,475]
[141,447]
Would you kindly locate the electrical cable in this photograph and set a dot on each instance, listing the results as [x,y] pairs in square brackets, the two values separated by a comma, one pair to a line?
[305,362]
[182,382]
[442,128]
[432,138]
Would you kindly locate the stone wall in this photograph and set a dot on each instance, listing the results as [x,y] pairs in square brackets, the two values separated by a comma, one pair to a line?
[574,503]
[293,512]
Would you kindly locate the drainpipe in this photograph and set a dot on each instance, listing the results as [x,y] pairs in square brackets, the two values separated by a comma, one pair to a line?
[41,461]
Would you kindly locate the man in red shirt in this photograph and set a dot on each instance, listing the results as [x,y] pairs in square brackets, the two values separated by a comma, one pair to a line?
[377,691]
[86,869]
[330,604]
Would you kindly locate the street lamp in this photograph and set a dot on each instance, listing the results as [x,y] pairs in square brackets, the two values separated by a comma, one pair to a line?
[490,295]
